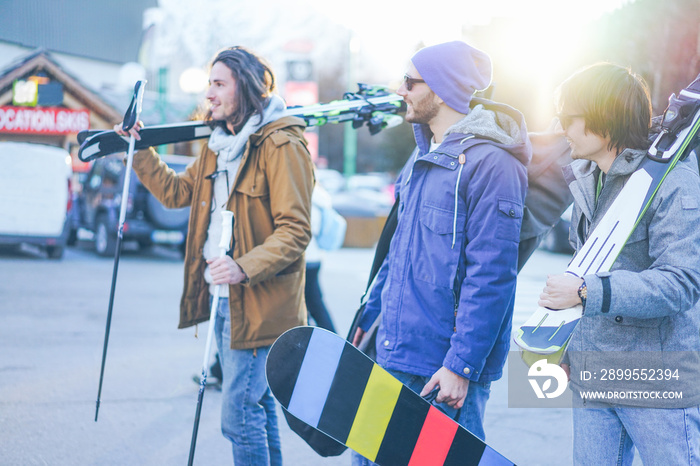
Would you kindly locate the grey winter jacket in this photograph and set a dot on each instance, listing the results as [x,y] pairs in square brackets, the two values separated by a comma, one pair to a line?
[646,306]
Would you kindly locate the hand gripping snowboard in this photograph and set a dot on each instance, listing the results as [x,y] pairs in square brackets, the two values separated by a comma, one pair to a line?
[371,105]
[548,331]
[329,384]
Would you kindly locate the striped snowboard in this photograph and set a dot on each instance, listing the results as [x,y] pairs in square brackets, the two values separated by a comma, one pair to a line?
[332,386]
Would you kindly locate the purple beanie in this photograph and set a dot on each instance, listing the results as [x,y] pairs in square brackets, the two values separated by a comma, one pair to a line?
[454,71]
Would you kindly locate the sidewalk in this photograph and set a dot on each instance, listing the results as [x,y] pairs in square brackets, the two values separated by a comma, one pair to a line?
[51,337]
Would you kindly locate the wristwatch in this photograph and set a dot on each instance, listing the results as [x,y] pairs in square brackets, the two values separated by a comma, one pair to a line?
[583,293]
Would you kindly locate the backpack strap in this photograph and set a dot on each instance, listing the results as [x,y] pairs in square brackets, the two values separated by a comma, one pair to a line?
[380,254]
[383,243]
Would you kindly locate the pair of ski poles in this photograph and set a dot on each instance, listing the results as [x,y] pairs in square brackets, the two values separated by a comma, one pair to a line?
[131,118]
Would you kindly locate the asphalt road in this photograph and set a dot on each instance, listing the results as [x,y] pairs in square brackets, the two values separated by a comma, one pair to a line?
[52,322]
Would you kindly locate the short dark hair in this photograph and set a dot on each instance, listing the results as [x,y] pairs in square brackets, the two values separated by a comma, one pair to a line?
[614,102]
[255,82]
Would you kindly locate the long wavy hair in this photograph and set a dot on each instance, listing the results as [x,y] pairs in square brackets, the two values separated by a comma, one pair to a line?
[255,82]
[614,103]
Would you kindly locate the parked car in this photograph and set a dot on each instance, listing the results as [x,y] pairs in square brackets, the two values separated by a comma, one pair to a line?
[376,181]
[557,240]
[147,222]
[35,196]
[332,180]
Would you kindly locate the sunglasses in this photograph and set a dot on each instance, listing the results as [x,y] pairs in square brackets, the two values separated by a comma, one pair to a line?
[409,82]
[566,120]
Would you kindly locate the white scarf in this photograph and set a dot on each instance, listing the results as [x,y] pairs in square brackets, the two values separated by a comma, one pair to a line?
[230,148]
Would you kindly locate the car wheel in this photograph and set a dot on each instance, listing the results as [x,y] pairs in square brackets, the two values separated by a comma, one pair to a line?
[144,244]
[54,252]
[557,239]
[72,239]
[183,248]
[549,242]
[105,241]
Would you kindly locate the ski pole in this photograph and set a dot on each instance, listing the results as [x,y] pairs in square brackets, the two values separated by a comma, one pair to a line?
[226,233]
[130,119]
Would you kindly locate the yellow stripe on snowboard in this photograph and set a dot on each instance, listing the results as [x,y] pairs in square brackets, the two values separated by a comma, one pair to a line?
[374,413]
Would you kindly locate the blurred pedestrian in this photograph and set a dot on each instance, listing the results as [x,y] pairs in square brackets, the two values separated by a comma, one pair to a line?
[320,201]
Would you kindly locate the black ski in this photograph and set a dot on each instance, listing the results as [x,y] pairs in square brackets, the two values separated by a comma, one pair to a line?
[371,106]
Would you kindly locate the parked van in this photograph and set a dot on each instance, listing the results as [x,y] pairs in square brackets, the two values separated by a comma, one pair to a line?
[35,196]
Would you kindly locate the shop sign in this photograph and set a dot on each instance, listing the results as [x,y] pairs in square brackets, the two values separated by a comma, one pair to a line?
[43,120]
[25,93]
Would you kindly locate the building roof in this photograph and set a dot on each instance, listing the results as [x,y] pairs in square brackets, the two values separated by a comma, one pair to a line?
[101,29]
[40,60]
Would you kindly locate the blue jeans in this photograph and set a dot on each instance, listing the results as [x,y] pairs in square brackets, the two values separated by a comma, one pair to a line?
[248,414]
[471,416]
[662,436]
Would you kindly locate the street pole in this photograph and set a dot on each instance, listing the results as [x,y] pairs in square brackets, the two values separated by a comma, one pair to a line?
[162,100]
[349,133]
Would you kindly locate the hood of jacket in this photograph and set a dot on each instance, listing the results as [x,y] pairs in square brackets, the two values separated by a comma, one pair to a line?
[582,177]
[487,121]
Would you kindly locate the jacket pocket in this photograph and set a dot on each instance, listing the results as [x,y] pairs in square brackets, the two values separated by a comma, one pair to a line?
[270,308]
[622,333]
[509,220]
[441,221]
[254,185]
[433,256]
[631,334]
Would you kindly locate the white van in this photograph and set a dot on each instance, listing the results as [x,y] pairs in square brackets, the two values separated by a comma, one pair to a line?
[35,195]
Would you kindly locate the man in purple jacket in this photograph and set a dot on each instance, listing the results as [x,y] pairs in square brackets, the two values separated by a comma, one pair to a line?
[447,286]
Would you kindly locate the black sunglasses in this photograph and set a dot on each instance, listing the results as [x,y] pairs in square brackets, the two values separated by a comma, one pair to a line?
[566,120]
[409,82]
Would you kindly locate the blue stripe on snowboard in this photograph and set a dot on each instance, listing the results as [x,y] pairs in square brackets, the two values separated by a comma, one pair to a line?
[491,457]
[542,337]
[315,376]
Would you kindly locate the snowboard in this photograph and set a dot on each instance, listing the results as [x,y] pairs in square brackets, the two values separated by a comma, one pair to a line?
[326,382]
[547,332]
[371,106]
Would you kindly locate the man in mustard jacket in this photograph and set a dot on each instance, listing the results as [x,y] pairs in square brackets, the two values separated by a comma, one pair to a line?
[256,165]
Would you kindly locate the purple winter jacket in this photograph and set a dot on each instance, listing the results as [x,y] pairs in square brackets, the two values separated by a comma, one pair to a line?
[446,289]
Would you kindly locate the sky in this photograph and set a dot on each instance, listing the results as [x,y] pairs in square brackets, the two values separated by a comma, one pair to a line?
[535,37]
[392,28]
[388,29]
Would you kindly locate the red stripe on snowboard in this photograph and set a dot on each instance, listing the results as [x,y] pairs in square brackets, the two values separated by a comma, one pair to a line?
[435,439]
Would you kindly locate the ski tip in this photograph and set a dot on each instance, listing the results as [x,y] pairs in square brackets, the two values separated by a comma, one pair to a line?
[132,113]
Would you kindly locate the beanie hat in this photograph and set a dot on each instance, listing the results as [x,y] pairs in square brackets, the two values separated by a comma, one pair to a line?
[454,71]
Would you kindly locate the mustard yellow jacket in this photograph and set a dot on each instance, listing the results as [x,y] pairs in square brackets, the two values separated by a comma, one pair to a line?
[271,202]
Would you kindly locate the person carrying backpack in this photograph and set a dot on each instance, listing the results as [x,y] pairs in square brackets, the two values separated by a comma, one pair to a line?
[446,289]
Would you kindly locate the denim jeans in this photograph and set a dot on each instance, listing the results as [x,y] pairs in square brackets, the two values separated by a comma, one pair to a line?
[248,413]
[471,416]
[607,436]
